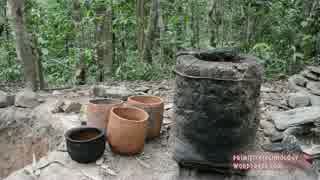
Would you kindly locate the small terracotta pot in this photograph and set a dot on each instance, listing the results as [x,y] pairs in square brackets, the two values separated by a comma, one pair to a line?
[98,112]
[154,106]
[127,130]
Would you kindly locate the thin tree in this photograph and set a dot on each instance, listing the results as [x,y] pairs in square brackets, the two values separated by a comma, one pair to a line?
[104,47]
[80,74]
[23,43]
[212,22]
[195,26]
[181,25]
[140,26]
[152,31]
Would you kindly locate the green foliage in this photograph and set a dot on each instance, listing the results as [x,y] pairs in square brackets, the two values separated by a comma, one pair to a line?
[283,34]
[10,70]
[133,70]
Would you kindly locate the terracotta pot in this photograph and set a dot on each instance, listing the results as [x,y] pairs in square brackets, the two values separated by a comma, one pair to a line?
[154,106]
[127,130]
[98,112]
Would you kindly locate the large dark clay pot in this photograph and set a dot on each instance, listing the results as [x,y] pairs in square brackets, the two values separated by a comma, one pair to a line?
[85,144]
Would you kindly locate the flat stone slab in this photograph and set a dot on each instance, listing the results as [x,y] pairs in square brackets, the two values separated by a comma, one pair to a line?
[119,92]
[299,116]
[6,99]
[311,75]
[313,150]
[314,87]
[315,100]
[299,80]
[27,99]
[314,69]
[298,100]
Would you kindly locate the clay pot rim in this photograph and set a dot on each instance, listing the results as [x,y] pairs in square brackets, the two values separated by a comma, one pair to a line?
[126,120]
[109,100]
[79,129]
[131,98]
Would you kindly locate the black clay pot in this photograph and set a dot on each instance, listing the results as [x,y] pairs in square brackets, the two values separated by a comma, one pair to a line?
[85,144]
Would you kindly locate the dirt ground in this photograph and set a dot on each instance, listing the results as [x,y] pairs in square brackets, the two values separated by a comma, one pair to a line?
[17,147]
[23,139]
[154,163]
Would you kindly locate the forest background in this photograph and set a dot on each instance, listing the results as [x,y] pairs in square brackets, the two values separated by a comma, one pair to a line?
[59,42]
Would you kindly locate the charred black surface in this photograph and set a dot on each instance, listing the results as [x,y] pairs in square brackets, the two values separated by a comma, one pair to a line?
[216,117]
[219,55]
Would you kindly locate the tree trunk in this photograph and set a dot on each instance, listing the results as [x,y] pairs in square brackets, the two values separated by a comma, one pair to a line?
[38,65]
[162,37]
[195,40]
[108,57]
[104,43]
[215,23]
[23,42]
[152,31]
[80,73]
[248,26]
[318,48]
[192,23]
[180,29]
[212,23]
[140,26]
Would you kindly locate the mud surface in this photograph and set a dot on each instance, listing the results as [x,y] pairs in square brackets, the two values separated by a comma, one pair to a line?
[17,148]
[23,138]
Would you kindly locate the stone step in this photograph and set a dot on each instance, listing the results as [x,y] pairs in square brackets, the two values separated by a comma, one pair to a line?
[298,116]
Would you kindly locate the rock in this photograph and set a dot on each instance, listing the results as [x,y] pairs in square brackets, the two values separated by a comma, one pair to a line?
[168,106]
[299,80]
[310,75]
[314,87]
[143,89]
[288,144]
[266,89]
[166,121]
[315,100]
[273,147]
[157,93]
[169,114]
[291,143]
[298,100]
[111,92]
[269,128]
[58,107]
[71,107]
[11,99]
[6,99]
[98,91]
[277,138]
[293,85]
[10,116]
[27,99]
[57,93]
[83,93]
[314,69]
[313,151]
[298,116]
[298,130]
[317,123]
